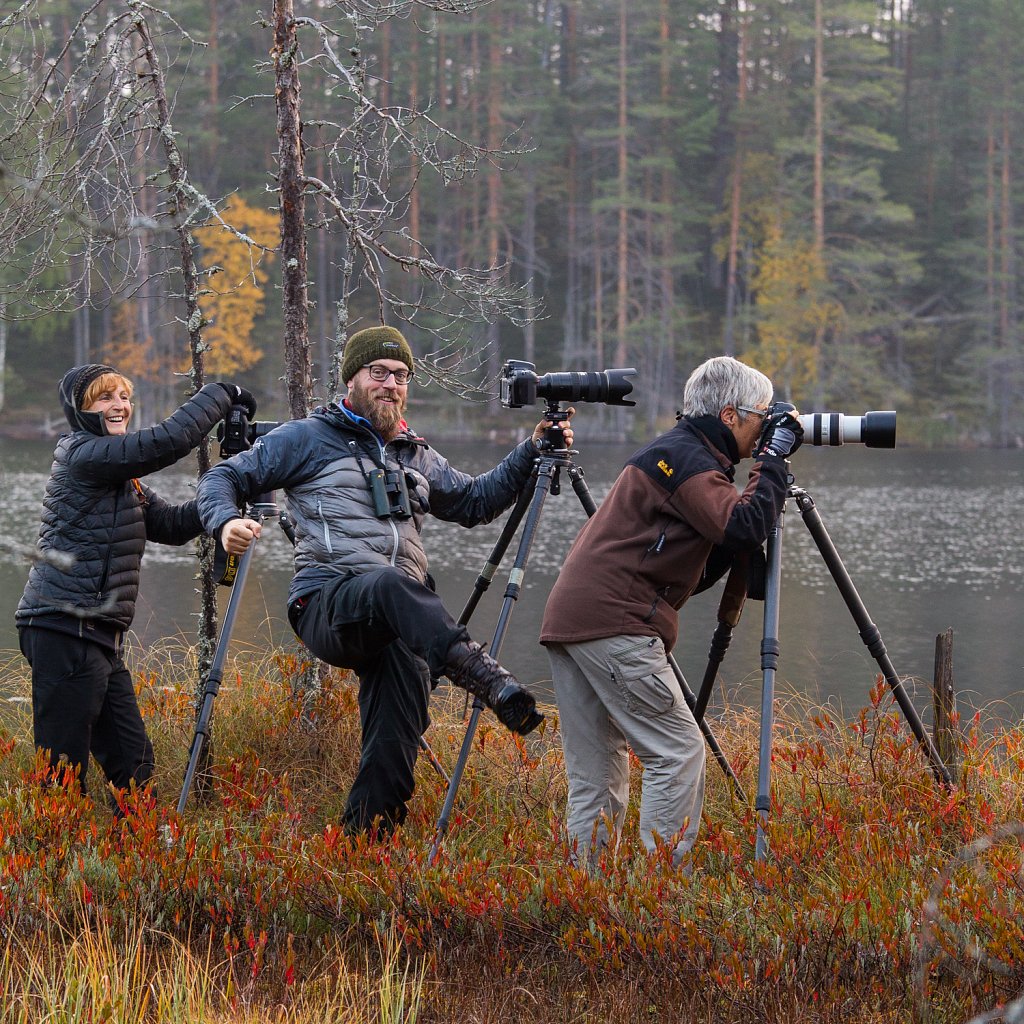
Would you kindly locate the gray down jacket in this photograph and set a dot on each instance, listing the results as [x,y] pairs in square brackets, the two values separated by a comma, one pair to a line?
[324,464]
[96,510]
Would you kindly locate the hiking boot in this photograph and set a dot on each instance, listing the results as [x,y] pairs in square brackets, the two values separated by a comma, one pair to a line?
[468,665]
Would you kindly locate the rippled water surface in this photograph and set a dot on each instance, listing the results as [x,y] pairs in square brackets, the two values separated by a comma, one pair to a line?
[931,540]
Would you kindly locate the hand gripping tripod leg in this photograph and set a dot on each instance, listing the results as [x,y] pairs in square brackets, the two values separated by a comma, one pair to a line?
[264,508]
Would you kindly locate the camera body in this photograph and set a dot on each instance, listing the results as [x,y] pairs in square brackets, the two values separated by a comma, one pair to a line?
[520,385]
[237,434]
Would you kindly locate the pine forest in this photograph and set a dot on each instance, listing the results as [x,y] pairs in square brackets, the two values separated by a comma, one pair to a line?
[825,188]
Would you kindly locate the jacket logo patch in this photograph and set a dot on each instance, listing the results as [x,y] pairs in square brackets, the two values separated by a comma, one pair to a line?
[665,467]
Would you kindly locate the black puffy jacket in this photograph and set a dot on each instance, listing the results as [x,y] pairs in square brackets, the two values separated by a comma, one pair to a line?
[96,510]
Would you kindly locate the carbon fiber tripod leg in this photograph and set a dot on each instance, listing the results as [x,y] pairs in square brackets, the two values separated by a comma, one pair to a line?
[201,735]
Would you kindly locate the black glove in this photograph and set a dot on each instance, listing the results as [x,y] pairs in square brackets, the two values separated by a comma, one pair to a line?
[782,432]
[240,396]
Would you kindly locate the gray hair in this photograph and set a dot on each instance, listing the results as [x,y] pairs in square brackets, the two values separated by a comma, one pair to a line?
[724,381]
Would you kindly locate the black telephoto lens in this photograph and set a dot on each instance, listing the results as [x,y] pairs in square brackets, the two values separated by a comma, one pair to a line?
[608,386]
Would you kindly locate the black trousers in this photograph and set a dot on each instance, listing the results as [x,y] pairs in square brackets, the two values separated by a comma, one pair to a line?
[394,633]
[83,701]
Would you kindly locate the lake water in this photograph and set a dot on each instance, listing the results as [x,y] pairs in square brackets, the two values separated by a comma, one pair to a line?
[930,539]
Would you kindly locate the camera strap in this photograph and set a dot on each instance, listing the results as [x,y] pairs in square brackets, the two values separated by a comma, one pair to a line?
[225,566]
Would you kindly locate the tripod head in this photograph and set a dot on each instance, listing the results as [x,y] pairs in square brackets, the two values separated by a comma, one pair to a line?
[554,435]
[265,506]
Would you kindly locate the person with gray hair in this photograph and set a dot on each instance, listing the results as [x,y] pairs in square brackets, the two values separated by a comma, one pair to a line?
[725,380]
[669,528]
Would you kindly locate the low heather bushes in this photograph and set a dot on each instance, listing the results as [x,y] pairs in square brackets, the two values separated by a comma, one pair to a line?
[884,898]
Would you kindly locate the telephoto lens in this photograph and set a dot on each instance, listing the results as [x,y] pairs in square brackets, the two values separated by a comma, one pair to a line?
[873,429]
[521,386]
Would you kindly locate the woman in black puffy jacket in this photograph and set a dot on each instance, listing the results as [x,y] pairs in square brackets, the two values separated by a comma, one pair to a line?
[80,596]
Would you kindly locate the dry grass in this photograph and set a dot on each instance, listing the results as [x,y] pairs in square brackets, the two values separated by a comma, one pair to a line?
[885,898]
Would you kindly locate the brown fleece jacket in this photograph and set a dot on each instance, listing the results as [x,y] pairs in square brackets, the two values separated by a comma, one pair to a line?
[643,553]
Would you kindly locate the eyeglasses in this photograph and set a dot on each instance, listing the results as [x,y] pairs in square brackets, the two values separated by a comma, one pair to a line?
[381,373]
[756,412]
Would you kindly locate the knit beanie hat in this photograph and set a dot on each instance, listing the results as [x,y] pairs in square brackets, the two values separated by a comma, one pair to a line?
[73,387]
[373,343]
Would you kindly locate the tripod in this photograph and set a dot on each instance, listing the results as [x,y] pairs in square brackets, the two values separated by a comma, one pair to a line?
[770,650]
[238,570]
[545,479]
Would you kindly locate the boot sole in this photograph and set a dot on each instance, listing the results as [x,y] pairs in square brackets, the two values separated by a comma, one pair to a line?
[518,712]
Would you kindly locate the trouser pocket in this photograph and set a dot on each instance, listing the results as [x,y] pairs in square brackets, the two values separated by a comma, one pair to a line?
[640,668]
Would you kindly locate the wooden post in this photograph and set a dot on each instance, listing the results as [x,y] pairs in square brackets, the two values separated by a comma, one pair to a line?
[944,703]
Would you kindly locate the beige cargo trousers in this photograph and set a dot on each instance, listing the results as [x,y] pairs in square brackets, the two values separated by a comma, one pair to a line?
[613,695]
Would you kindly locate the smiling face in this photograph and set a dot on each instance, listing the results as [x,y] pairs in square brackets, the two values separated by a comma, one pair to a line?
[382,402]
[110,396]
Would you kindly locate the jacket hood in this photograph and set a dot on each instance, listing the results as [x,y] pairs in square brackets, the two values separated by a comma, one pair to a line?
[71,391]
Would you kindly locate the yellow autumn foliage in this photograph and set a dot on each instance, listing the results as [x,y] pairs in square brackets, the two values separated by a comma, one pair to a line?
[234,290]
[133,356]
[794,312]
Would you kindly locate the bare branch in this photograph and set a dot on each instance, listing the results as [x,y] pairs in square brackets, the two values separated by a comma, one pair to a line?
[418,132]
[79,125]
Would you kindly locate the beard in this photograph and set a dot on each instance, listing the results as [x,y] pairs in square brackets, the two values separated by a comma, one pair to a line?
[384,417]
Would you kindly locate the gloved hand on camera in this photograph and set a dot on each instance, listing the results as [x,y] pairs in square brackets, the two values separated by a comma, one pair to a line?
[240,396]
[782,432]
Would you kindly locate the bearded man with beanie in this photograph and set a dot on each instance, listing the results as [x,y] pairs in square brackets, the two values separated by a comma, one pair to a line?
[80,596]
[358,483]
